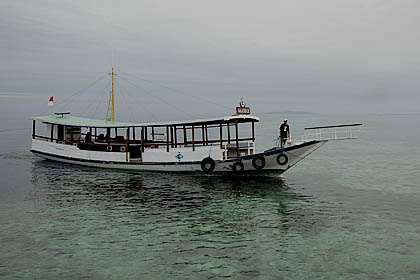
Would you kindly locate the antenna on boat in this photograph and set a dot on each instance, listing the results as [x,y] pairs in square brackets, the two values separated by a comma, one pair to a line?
[111,99]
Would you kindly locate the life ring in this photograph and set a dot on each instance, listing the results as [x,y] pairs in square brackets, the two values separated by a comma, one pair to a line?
[258,162]
[207,164]
[109,148]
[122,149]
[282,159]
[238,167]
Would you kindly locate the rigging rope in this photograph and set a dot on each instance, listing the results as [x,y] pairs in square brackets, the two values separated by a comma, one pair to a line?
[122,89]
[98,103]
[172,106]
[80,91]
[124,100]
[178,91]
[14,129]
[126,76]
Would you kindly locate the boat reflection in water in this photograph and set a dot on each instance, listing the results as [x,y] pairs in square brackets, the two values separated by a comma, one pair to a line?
[160,198]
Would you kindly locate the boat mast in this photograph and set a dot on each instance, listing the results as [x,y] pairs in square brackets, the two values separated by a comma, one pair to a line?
[111,99]
[113,108]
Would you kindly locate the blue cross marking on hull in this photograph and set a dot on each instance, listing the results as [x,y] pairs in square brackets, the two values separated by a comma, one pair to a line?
[179,156]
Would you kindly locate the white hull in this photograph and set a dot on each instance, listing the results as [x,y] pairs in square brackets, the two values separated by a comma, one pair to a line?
[70,154]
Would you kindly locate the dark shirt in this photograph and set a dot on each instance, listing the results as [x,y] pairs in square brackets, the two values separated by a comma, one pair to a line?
[284,130]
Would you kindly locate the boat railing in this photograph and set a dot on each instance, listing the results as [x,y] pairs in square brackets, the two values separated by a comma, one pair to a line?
[224,143]
[331,132]
[232,150]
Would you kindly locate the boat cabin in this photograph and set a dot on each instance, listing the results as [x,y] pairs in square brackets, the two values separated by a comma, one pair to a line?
[179,141]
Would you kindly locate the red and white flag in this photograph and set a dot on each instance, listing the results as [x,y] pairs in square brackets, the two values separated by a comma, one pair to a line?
[51,101]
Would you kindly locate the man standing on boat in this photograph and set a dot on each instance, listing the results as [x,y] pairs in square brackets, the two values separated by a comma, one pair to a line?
[284,133]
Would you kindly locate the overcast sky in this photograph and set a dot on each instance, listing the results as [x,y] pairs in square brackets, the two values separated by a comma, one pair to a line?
[334,56]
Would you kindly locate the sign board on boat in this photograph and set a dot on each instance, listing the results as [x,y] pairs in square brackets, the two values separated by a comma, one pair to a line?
[243,110]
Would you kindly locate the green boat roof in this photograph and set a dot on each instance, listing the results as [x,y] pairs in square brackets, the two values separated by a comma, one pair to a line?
[66,119]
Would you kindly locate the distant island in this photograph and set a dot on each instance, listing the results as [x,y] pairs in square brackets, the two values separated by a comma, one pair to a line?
[289,113]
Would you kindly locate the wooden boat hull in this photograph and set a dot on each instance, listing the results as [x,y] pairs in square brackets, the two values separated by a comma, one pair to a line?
[275,160]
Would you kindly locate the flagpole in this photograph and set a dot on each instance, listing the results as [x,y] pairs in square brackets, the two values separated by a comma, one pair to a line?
[51,104]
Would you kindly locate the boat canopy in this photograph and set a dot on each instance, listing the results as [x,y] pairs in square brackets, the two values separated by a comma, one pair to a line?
[68,120]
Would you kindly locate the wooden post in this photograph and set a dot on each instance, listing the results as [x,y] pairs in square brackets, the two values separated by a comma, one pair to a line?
[228,131]
[185,135]
[221,136]
[141,144]
[253,132]
[237,138]
[207,136]
[172,136]
[108,135]
[193,146]
[142,139]
[175,136]
[126,144]
[167,138]
[33,129]
[90,135]
[203,134]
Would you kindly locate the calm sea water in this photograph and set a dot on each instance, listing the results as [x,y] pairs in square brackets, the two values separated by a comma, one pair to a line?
[349,211]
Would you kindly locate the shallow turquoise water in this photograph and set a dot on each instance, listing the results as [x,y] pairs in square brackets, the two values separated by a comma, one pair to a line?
[349,211]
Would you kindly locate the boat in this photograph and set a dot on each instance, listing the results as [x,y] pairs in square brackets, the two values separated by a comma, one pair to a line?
[224,144]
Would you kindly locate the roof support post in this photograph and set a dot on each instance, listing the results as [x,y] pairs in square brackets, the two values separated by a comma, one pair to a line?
[253,131]
[203,134]
[228,132]
[90,136]
[126,144]
[192,132]
[221,135]
[185,135]
[153,133]
[237,138]
[175,136]
[108,138]
[52,132]
[33,129]
[172,136]
[134,133]
[141,144]
[167,138]
[207,136]
[95,134]
[142,140]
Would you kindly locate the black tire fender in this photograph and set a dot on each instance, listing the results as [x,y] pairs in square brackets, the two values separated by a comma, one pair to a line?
[238,167]
[208,164]
[282,159]
[258,162]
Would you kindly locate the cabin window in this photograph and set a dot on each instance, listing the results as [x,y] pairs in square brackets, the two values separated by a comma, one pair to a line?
[60,132]
[72,134]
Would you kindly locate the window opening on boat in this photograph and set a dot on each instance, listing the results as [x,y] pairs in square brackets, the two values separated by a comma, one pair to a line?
[137,140]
